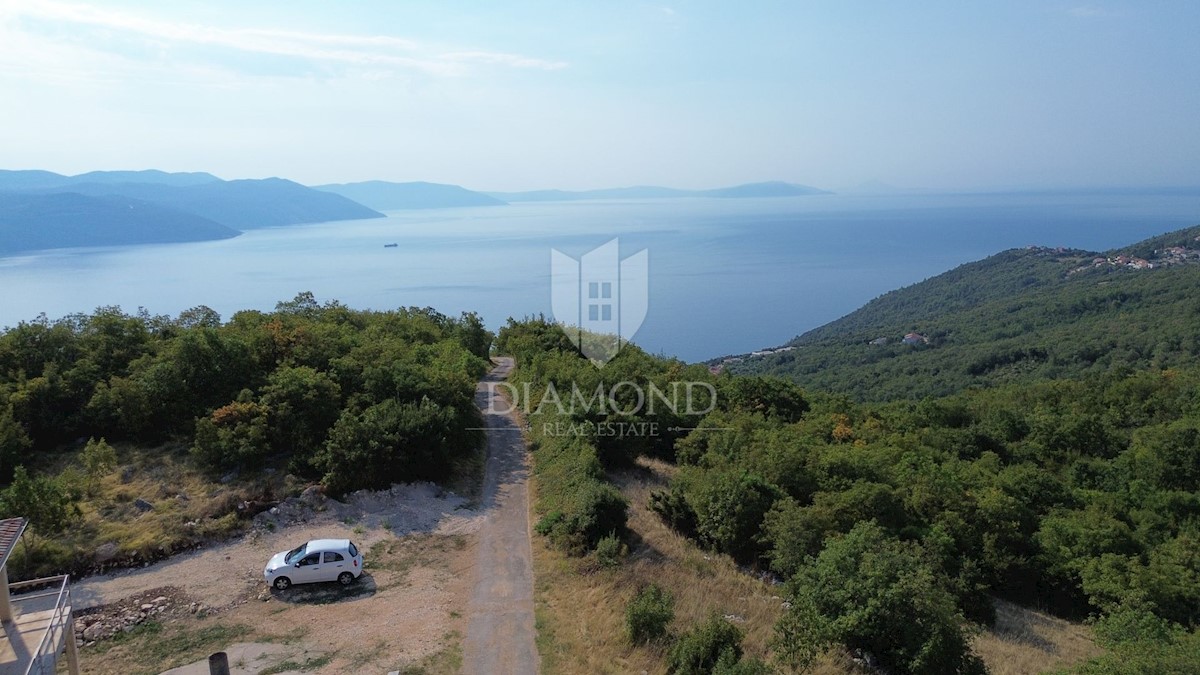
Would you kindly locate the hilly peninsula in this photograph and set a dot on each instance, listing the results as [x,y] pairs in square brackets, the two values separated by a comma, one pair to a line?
[45,221]
[48,210]
[1019,316]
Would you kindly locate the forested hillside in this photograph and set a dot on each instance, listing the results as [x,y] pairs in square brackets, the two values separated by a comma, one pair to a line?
[353,399]
[896,525]
[1019,316]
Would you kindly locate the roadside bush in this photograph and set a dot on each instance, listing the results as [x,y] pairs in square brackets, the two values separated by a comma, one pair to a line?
[698,651]
[597,509]
[581,507]
[648,614]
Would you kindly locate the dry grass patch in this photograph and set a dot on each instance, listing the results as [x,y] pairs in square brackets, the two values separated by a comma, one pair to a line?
[1027,641]
[153,647]
[153,503]
[581,607]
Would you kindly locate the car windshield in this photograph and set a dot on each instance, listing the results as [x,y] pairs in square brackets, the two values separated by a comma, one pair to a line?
[295,554]
[353,549]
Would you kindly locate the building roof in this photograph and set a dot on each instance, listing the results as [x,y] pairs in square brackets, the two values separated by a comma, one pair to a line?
[10,531]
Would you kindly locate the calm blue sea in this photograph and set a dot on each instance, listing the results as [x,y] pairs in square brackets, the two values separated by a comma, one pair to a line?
[726,275]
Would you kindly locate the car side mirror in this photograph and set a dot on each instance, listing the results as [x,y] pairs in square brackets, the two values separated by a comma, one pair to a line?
[297,564]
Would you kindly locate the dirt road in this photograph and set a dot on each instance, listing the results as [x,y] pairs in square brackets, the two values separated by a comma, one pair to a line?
[500,633]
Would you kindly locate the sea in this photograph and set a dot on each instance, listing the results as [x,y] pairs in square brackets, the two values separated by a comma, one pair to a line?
[725,276]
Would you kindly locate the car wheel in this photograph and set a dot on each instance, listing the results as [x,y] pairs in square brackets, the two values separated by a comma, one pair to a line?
[345,578]
[282,583]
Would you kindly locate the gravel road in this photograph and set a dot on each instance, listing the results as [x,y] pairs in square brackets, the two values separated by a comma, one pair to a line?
[500,633]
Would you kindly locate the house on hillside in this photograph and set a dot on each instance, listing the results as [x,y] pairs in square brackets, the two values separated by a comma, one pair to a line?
[915,339]
[35,615]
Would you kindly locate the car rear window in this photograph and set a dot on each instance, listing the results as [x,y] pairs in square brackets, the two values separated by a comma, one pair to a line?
[353,550]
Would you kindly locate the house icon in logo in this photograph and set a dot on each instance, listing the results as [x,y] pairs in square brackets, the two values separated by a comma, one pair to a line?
[600,300]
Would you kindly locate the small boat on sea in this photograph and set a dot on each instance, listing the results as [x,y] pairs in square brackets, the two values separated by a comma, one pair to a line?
[390,245]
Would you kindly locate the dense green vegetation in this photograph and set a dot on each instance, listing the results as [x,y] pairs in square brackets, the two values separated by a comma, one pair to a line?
[1019,316]
[896,524]
[353,399]
[1079,496]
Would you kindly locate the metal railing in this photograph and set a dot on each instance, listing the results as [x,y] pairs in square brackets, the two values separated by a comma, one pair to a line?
[45,657]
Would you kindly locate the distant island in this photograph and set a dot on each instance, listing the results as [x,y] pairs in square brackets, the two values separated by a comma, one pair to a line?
[749,190]
[387,196]
[41,209]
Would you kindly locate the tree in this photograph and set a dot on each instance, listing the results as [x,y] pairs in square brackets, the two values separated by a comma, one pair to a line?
[44,501]
[730,507]
[235,435]
[200,316]
[303,404]
[472,335]
[392,442]
[870,592]
[14,442]
[99,458]
[767,396]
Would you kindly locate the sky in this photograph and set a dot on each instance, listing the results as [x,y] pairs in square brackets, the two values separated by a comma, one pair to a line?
[576,95]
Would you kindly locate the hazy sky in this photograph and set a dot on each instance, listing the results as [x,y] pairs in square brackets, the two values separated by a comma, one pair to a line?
[520,95]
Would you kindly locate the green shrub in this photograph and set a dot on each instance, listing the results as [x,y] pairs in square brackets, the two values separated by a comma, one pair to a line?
[730,507]
[610,550]
[730,664]
[869,591]
[581,507]
[671,505]
[648,614]
[1140,642]
[698,651]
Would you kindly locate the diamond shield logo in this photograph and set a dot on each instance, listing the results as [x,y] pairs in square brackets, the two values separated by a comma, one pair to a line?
[599,300]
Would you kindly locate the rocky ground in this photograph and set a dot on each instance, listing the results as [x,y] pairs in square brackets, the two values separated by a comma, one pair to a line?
[419,546]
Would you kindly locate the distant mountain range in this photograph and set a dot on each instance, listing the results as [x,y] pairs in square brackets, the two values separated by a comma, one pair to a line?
[40,209]
[768,189]
[387,196]
[1019,316]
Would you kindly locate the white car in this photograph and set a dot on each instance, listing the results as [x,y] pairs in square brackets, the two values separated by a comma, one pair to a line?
[318,560]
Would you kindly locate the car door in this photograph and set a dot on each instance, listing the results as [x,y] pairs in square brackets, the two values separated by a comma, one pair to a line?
[333,564]
[308,569]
